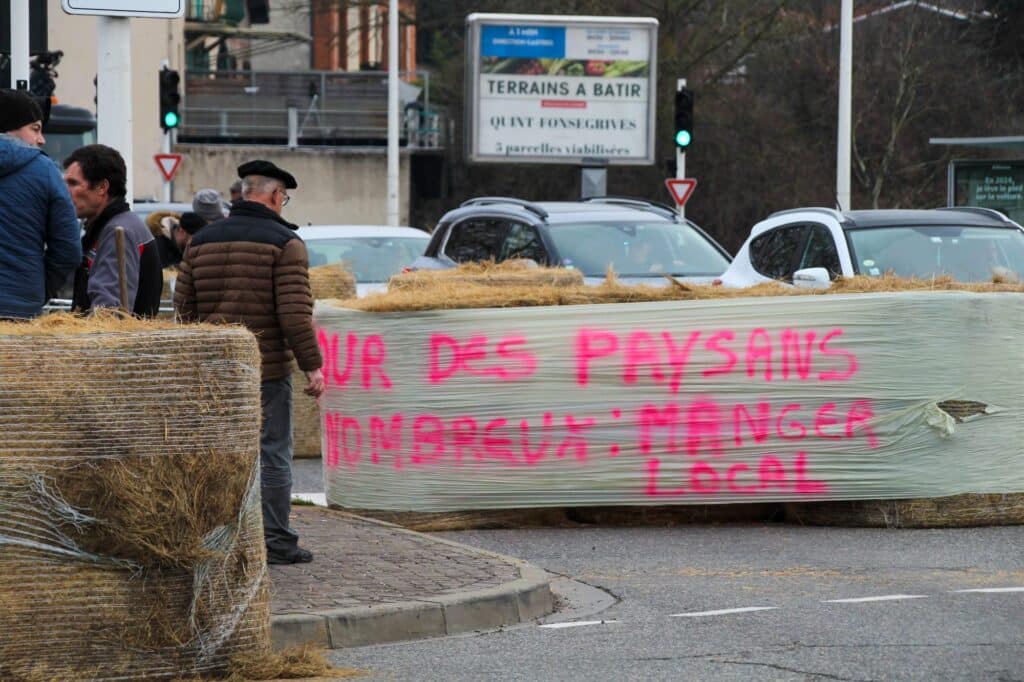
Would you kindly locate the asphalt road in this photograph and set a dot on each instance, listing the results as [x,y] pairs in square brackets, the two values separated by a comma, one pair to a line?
[685,600]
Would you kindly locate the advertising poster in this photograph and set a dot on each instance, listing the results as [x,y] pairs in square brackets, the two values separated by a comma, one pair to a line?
[561,89]
[990,184]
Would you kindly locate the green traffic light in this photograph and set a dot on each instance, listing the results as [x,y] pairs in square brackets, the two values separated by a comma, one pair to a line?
[171,119]
[683,138]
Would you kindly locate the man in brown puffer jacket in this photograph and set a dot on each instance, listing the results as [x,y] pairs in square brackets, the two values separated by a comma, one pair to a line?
[252,269]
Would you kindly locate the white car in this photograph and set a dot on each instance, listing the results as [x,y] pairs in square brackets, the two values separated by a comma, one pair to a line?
[373,253]
[812,246]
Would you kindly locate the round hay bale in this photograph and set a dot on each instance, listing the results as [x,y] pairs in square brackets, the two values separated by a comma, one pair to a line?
[332,281]
[129,499]
[488,519]
[957,511]
[573,517]
[326,281]
[676,515]
[305,418]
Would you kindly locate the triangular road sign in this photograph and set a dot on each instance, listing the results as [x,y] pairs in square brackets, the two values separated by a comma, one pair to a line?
[681,189]
[168,164]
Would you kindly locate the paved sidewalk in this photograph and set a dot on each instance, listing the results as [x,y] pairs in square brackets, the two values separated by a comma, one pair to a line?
[372,582]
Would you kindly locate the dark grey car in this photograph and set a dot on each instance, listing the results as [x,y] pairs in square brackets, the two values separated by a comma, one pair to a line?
[642,242]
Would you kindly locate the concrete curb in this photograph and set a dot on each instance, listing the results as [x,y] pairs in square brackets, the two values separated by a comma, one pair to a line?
[519,601]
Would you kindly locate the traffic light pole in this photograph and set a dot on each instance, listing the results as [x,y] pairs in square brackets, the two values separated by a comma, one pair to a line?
[165,148]
[681,156]
[114,89]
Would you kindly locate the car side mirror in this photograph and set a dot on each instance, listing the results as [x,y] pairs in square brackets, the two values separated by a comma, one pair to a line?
[812,278]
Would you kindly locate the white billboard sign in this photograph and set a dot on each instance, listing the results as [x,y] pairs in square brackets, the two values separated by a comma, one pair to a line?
[160,9]
[561,89]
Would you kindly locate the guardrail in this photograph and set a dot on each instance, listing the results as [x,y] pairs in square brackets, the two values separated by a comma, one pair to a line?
[306,108]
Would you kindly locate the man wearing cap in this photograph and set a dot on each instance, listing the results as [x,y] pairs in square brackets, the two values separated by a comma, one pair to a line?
[252,269]
[208,205]
[38,232]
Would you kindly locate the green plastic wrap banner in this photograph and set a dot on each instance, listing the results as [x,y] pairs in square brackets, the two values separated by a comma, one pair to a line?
[834,397]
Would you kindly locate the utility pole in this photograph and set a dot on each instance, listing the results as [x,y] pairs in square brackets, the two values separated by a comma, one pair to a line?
[845,106]
[393,212]
[114,88]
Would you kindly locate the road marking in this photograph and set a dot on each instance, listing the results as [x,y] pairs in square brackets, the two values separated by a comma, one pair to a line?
[576,624]
[993,589]
[884,597]
[722,612]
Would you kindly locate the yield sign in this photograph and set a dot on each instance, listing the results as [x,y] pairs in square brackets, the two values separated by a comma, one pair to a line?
[681,188]
[168,164]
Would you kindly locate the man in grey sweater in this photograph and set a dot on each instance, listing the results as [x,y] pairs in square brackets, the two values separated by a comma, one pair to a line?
[96,178]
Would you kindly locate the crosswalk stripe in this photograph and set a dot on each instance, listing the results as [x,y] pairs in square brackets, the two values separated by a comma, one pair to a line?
[993,589]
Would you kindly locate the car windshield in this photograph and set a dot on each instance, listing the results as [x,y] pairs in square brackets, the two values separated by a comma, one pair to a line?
[370,259]
[635,249]
[968,254]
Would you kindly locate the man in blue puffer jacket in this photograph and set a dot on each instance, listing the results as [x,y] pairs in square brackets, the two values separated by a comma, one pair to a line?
[39,235]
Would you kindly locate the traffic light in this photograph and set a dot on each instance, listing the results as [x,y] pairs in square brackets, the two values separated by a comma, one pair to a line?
[684,117]
[170,98]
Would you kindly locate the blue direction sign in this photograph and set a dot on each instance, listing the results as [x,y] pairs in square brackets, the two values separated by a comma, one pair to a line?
[540,42]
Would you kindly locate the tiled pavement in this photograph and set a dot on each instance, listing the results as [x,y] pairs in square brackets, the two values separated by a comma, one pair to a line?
[372,582]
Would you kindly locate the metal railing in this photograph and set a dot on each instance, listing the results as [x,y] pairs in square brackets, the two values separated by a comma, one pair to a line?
[305,108]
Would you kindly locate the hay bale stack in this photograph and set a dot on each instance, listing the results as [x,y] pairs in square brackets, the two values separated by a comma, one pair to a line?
[327,281]
[574,517]
[333,280]
[445,294]
[511,273]
[129,500]
[956,511]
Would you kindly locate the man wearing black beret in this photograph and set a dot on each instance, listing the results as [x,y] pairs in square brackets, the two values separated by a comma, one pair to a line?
[252,269]
[39,235]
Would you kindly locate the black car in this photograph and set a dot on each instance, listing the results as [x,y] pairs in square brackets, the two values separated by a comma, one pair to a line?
[641,241]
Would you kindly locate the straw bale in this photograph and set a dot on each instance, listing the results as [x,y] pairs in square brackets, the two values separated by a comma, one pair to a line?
[332,281]
[299,662]
[129,499]
[572,517]
[445,294]
[516,272]
[956,511]
[305,418]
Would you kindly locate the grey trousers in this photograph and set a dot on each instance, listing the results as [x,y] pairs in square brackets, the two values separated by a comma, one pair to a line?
[276,464]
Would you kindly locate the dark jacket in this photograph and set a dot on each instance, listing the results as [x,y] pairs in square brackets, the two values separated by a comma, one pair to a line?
[252,269]
[97,284]
[38,230]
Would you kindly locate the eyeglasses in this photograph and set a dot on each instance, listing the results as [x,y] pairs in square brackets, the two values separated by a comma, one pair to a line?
[286,197]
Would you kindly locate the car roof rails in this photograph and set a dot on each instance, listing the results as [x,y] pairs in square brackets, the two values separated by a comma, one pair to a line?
[632,202]
[835,213]
[990,212]
[529,206]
